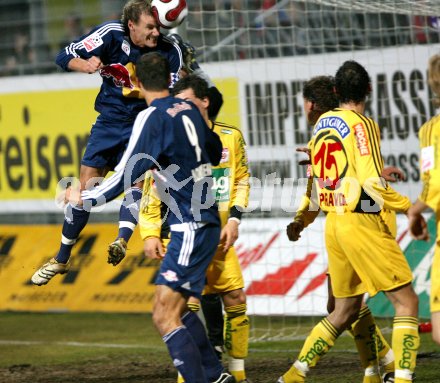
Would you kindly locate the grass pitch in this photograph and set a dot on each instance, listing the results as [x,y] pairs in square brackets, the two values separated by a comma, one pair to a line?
[111,348]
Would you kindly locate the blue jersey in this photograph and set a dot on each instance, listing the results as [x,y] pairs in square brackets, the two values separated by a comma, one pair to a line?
[119,97]
[171,137]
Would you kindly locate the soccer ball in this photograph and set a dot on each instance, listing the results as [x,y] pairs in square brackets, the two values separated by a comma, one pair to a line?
[169,13]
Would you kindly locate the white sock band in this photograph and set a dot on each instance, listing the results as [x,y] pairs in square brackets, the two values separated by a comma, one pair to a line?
[67,241]
[403,374]
[388,358]
[301,366]
[235,364]
[372,371]
[127,224]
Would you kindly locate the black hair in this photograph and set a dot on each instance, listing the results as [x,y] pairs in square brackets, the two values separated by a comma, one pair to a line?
[352,82]
[320,90]
[196,83]
[153,71]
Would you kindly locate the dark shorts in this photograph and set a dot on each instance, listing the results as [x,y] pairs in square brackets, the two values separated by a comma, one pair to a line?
[107,143]
[188,256]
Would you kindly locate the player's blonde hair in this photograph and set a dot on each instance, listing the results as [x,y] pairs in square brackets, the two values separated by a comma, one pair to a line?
[434,77]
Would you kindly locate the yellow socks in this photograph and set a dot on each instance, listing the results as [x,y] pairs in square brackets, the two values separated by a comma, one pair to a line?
[295,373]
[364,333]
[406,342]
[384,352]
[236,336]
[372,379]
[320,340]
[193,305]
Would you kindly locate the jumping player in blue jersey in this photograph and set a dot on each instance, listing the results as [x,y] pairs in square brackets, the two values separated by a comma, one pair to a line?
[111,49]
[172,138]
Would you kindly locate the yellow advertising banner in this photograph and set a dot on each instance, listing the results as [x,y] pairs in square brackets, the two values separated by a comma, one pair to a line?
[42,139]
[91,283]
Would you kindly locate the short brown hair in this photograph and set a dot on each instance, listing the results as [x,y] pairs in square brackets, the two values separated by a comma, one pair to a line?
[133,10]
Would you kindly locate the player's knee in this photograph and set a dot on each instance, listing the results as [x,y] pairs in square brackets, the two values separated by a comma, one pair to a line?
[413,303]
[162,317]
[234,298]
[409,306]
[345,317]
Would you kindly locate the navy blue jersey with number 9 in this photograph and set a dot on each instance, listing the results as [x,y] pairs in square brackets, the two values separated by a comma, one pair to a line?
[172,138]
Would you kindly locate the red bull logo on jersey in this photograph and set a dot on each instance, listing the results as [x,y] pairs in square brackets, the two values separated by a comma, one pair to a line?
[361,139]
[120,75]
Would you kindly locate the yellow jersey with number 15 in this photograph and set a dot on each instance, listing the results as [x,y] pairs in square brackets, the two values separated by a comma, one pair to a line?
[347,165]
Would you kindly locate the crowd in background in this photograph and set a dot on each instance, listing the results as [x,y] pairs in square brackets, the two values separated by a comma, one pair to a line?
[222,30]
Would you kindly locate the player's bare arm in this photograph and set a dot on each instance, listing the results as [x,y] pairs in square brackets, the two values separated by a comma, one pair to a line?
[305,150]
[229,234]
[393,174]
[90,65]
[153,248]
[416,222]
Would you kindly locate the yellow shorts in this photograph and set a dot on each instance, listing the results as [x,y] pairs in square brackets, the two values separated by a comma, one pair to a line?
[389,218]
[363,255]
[435,273]
[224,273]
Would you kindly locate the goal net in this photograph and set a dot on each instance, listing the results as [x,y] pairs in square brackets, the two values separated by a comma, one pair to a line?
[259,53]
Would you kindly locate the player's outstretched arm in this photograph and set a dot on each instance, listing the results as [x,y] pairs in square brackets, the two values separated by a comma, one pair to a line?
[369,174]
[416,222]
[91,65]
[83,54]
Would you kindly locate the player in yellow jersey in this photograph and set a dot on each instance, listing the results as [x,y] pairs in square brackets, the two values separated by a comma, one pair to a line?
[363,255]
[231,185]
[429,136]
[319,97]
